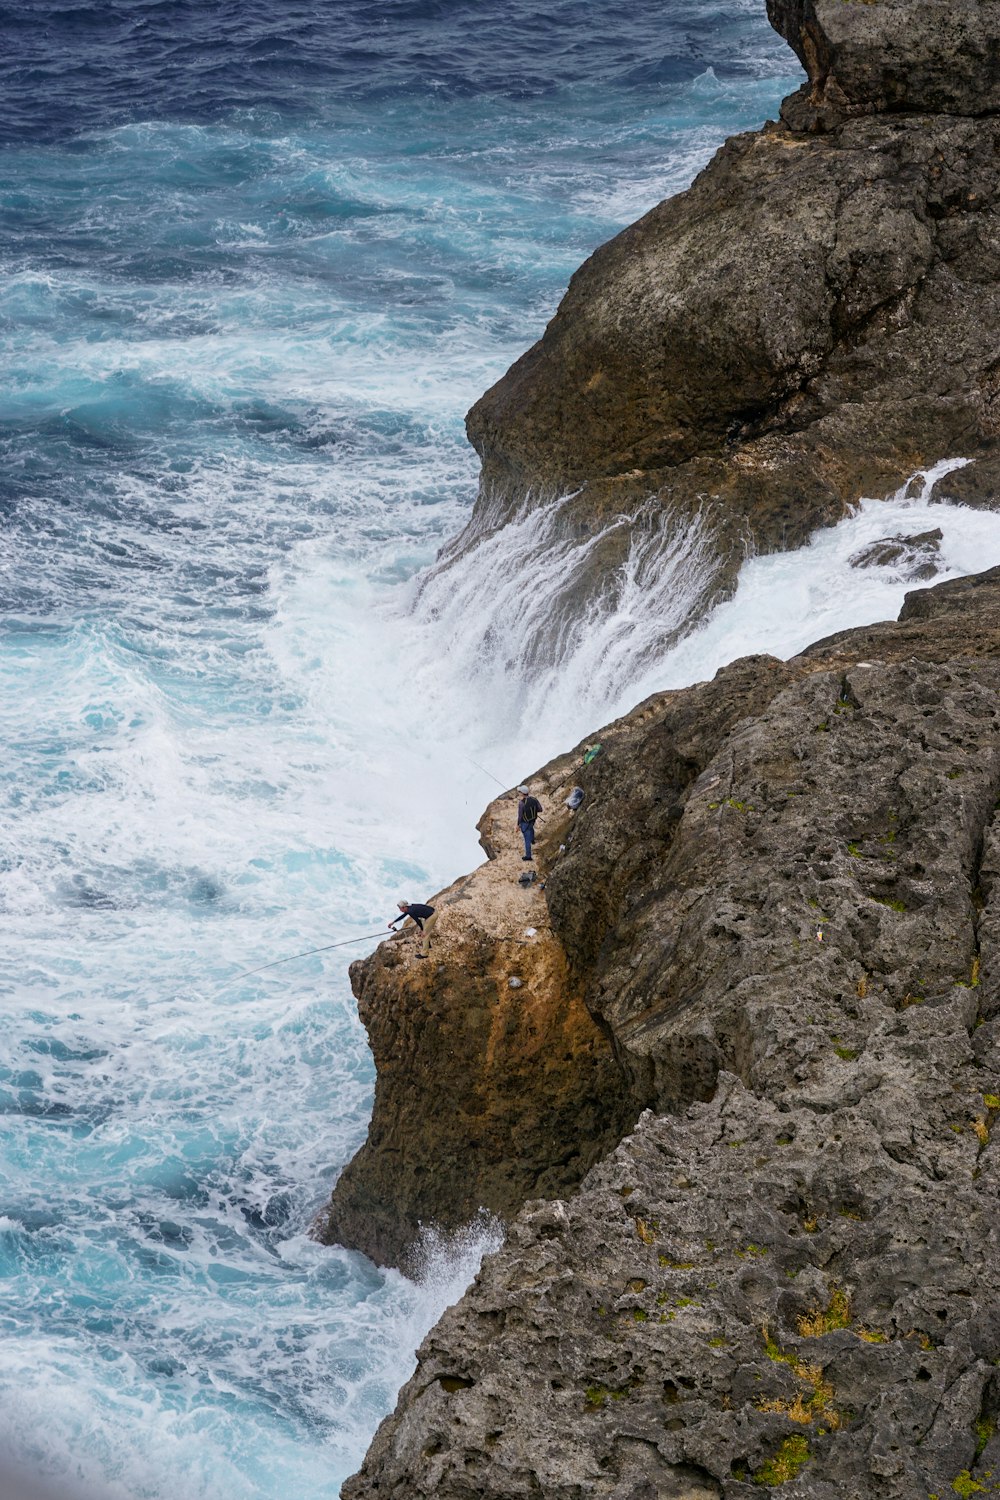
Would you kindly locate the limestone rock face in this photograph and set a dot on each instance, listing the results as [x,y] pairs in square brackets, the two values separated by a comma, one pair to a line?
[780,901]
[939,56]
[732,1076]
[485,1057]
[778,340]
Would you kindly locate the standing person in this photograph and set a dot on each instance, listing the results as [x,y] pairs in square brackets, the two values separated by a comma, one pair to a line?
[424,917]
[528,809]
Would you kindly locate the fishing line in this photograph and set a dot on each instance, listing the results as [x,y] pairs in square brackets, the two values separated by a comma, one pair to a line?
[245,973]
[485,772]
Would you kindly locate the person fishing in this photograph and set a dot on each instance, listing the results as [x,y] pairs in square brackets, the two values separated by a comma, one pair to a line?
[425,918]
[528,809]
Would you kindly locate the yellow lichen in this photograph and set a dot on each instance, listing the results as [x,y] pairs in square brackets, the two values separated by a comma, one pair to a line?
[816,1400]
[795,1411]
[817,1322]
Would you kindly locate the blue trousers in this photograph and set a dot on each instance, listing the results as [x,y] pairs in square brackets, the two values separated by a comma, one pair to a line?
[528,833]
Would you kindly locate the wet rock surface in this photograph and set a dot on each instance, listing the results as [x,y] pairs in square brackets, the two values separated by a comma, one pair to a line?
[976,484]
[909,556]
[780,903]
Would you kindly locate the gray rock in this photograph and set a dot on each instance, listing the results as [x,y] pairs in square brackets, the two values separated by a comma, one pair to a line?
[781,901]
[977,484]
[773,940]
[812,321]
[937,56]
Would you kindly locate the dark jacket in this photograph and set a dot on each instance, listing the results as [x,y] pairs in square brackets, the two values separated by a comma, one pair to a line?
[417,911]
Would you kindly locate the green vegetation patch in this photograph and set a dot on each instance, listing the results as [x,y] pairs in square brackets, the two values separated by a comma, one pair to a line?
[985,1428]
[598,1394]
[964,1484]
[785,1464]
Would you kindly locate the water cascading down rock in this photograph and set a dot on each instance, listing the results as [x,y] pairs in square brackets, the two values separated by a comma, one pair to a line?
[756,1007]
[812,321]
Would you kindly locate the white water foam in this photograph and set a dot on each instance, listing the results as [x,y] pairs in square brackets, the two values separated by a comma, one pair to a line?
[528,641]
[235,741]
[526,691]
[238,352]
[787,600]
[194,1435]
[468,667]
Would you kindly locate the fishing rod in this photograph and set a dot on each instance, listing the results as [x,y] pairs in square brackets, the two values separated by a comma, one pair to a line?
[485,772]
[245,973]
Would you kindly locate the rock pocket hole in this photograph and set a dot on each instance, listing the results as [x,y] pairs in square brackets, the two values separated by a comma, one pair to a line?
[453,1383]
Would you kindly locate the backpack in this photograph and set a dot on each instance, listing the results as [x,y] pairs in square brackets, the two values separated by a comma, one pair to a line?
[529,812]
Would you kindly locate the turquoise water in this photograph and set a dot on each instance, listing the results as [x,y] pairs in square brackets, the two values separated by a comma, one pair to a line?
[255,267]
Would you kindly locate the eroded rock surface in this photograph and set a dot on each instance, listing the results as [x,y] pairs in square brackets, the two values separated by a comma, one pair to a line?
[938,57]
[914,557]
[780,901]
[767,946]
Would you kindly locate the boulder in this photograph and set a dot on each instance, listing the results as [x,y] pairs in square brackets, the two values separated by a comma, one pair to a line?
[913,557]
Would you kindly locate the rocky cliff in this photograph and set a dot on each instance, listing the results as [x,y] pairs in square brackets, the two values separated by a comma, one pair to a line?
[780,904]
[486,1057]
[813,320]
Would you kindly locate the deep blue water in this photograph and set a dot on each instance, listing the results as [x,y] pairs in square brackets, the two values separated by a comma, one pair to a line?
[255,263]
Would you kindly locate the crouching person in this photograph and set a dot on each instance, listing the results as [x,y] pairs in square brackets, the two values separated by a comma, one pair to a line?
[424,916]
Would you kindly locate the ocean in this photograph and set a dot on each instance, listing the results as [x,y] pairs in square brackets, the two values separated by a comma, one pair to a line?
[255,264]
